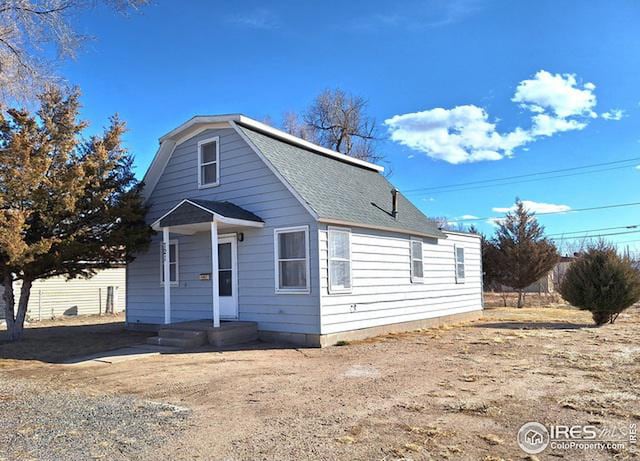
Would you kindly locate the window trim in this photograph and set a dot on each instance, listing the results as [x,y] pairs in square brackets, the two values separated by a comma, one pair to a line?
[215,139]
[276,260]
[415,279]
[456,263]
[176,282]
[336,290]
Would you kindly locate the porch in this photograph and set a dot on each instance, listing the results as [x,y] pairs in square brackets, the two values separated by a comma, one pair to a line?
[201,332]
[225,223]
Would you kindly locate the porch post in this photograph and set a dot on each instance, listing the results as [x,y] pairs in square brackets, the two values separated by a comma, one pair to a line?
[167,275]
[214,274]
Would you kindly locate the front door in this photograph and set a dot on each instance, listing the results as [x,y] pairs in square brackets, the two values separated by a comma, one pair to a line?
[228,277]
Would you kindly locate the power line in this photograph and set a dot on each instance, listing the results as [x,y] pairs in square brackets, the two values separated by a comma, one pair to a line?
[488,186]
[631,226]
[574,210]
[585,237]
[626,241]
[562,170]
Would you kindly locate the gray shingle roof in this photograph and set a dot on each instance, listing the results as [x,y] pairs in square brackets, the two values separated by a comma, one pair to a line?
[336,190]
[187,213]
[227,209]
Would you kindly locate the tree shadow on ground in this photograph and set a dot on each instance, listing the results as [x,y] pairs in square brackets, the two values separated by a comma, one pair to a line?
[527,325]
[95,343]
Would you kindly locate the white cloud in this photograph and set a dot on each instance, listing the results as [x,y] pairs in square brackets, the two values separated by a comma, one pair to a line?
[260,18]
[495,222]
[548,125]
[536,207]
[613,114]
[638,167]
[458,135]
[436,14]
[410,156]
[467,216]
[464,134]
[557,93]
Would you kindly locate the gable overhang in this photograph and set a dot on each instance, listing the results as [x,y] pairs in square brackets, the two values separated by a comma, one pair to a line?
[398,230]
[200,222]
[200,123]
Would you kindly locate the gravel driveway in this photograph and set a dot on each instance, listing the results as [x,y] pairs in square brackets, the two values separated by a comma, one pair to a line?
[42,423]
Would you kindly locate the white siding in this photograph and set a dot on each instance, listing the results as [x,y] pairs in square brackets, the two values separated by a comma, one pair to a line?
[382,290]
[246,181]
[57,296]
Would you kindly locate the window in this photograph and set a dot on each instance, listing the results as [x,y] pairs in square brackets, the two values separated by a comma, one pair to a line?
[339,260]
[417,268]
[173,263]
[292,259]
[459,254]
[225,269]
[208,162]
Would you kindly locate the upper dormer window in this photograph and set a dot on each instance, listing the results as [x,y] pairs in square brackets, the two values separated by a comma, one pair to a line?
[209,162]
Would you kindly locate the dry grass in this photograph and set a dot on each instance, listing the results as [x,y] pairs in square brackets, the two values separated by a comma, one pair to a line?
[469,407]
[492,299]
[55,341]
[458,392]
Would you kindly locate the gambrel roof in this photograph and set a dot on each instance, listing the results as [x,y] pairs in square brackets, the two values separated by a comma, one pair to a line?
[341,192]
[333,187]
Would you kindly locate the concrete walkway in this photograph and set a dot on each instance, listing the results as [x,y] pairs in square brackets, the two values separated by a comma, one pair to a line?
[122,355]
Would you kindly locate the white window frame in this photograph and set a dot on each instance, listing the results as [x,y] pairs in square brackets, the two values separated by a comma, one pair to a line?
[215,139]
[343,230]
[276,260]
[456,263]
[175,282]
[412,258]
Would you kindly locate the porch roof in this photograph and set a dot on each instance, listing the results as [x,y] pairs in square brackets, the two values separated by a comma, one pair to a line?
[197,211]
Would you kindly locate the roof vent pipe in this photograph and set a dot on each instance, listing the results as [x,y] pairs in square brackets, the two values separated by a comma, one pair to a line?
[394,202]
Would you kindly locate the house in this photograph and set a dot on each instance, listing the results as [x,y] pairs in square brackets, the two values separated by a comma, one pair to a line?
[549,282]
[311,245]
[57,296]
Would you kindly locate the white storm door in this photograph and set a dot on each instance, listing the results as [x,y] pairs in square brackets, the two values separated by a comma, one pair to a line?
[228,277]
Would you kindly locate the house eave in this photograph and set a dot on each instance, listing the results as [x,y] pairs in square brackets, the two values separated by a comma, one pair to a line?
[215,216]
[382,228]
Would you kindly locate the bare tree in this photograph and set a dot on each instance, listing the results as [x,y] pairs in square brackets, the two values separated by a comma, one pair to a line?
[292,124]
[338,121]
[27,29]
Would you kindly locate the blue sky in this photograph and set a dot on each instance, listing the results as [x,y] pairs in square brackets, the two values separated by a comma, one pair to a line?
[478,89]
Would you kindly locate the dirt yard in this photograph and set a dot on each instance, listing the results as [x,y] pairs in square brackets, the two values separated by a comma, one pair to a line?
[450,393]
[57,340]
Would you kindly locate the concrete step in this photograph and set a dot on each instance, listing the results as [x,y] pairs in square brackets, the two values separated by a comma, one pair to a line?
[184,343]
[231,333]
[183,334]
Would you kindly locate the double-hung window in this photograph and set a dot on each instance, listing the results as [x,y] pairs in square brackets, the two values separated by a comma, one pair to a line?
[417,267]
[339,260]
[292,259]
[459,255]
[173,262]
[209,162]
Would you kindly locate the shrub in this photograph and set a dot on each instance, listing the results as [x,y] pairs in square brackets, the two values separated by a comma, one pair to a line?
[602,282]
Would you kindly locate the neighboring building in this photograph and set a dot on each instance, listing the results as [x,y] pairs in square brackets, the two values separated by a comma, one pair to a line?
[57,296]
[310,245]
[550,282]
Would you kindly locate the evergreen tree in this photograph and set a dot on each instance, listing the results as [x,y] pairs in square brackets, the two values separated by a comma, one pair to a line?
[68,206]
[602,282]
[520,254]
[490,270]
